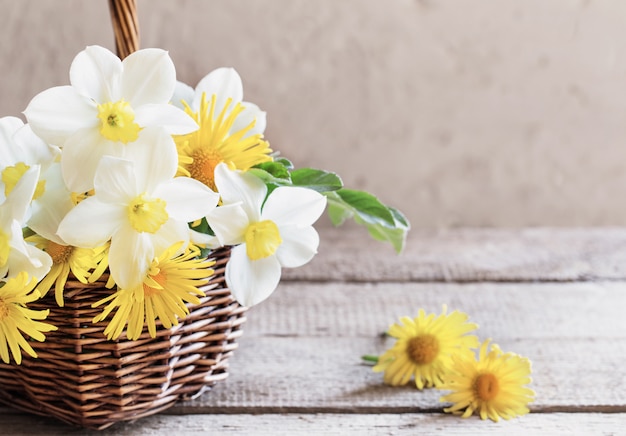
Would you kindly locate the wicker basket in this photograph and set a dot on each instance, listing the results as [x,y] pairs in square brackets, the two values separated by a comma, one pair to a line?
[84,379]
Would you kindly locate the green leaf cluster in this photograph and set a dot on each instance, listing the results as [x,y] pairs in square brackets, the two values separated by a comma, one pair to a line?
[384,223]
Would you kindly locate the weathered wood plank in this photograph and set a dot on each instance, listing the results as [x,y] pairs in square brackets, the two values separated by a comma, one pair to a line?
[504,311]
[302,347]
[554,424]
[470,255]
[325,375]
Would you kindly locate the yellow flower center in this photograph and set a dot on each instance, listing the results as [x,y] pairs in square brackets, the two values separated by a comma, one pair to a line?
[60,254]
[262,239]
[147,214]
[118,122]
[486,387]
[423,349]
[216,141]
[203,166]
[5,248]
[11,175]
[160,277]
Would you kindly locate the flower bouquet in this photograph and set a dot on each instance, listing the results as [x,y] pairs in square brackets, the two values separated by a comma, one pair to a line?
[139,217]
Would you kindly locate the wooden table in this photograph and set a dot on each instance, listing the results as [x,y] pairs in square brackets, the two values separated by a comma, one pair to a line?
[557,296]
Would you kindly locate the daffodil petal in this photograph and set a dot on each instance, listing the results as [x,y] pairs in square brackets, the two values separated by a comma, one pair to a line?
[92,72]
[294,206]
[81,155]
[91,223]
[235,186]
[32,148]
[40,262]
[52,207]
[249,281]
[187,199]
[8,126]
[225,83]
[9,154]
[170,233]
[16,205]
[115,180]
[149,76]
[152,167]
[182,92]
[229,223]
[29,259]
[57,113]
[250,113]
[298,247]
[129,257]
[166,116]
[203,240]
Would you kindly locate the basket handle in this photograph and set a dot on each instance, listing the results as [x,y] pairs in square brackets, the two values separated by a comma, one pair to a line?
[125,26]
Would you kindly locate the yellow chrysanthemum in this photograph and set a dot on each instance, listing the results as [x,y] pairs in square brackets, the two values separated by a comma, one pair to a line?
[425,346]
[214,142]
[16,318]
[85,264]
[494,385]
[169,283]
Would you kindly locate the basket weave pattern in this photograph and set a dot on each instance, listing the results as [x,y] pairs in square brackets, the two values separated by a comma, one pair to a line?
[84,379]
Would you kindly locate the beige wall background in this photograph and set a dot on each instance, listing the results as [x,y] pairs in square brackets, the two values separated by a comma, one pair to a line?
[460,113]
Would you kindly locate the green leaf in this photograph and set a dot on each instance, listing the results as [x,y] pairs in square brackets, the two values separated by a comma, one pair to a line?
[275,168]
[285,162]
[366,206]
[318,180]
[337,211]
[396,236]
[360,206]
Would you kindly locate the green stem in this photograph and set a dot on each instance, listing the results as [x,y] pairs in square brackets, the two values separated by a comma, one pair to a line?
[370,358]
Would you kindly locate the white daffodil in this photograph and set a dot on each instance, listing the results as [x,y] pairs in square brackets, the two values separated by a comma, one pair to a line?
[16,255]
[140,206]
[105,108]
[20,149]
[224,85]
[268,235]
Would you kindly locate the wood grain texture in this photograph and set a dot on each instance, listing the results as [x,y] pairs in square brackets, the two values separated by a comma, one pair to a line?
[298,368]
[302,348]
[470,255]
[553,424]
[504,311]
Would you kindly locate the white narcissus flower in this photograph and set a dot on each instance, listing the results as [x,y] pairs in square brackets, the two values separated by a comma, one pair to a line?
[105,109]
[16,255]
[226,85]
[20,149]
[140,206]
[268,236]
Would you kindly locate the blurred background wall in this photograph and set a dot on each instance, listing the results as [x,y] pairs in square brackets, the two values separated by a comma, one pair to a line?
[460,113]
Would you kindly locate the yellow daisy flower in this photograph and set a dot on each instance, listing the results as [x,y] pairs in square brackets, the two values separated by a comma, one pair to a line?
[16,318]
[84,263]
[493,385]
[170,282]
[424,347]
[215,142]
